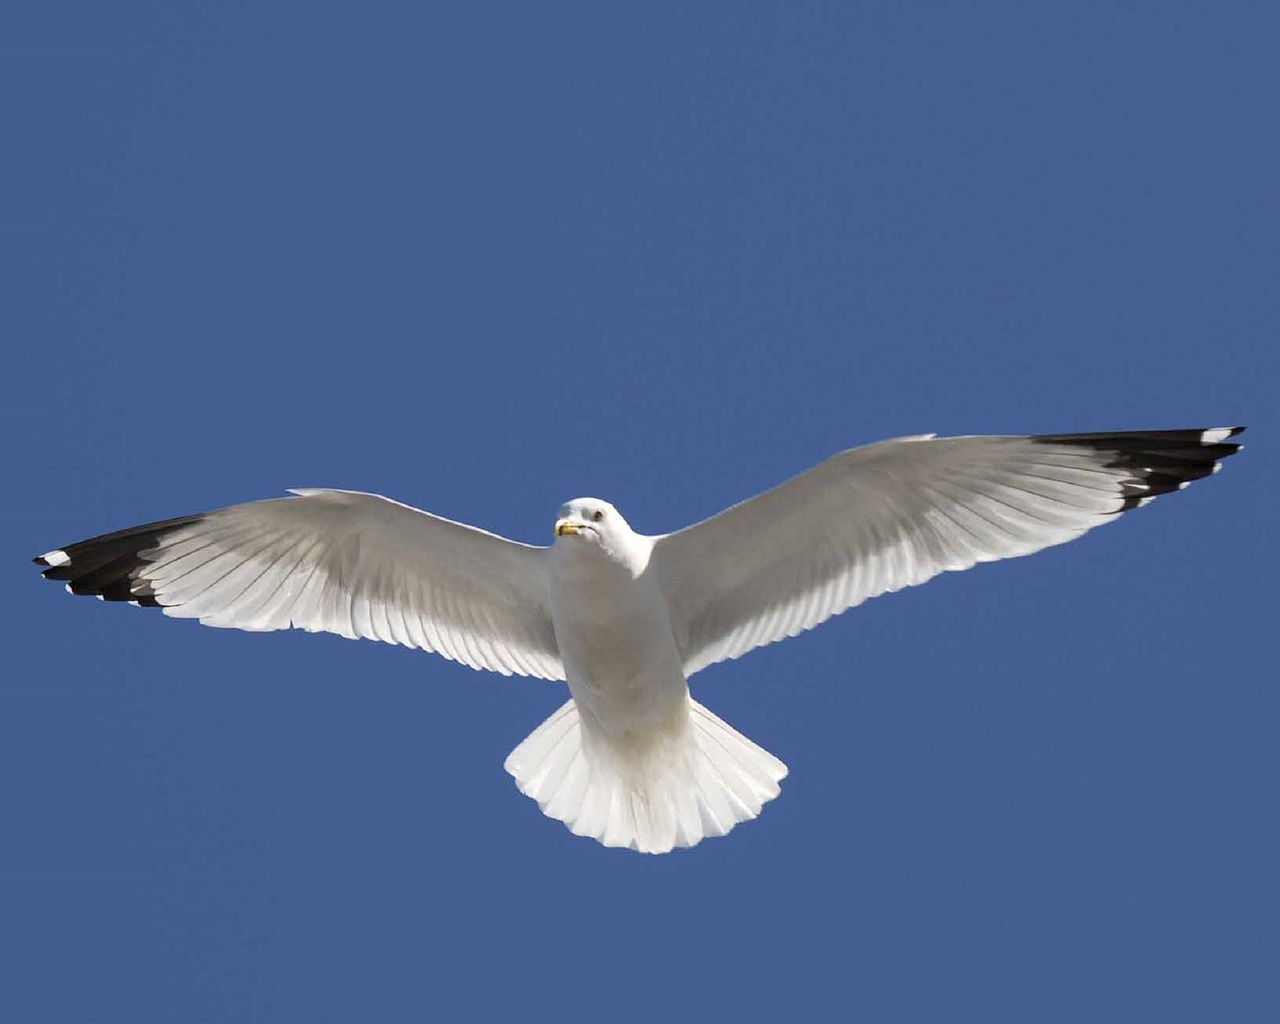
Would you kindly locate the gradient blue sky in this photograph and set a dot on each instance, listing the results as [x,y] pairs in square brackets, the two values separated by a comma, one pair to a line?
[486,261]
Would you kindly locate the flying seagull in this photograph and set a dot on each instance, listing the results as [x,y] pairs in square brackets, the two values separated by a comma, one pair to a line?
[631,759]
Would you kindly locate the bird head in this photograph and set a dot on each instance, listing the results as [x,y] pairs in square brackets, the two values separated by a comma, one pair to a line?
[589,519]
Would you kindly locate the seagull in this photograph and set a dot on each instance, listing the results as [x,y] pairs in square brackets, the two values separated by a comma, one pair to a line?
[631,759]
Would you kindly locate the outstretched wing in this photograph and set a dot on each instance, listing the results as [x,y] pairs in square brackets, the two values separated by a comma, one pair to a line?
[343,562]
[891,515]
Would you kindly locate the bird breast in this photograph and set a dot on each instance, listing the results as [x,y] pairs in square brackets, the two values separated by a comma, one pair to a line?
[616,642]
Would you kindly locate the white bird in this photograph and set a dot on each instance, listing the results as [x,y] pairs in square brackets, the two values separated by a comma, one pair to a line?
[631,759]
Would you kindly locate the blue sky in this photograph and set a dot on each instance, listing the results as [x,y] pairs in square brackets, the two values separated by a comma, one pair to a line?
[486,261]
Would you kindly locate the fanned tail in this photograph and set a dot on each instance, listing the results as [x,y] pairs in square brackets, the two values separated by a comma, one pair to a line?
[672,788]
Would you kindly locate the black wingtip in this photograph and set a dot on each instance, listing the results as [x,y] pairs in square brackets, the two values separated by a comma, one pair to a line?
[1157,461]
[112,566]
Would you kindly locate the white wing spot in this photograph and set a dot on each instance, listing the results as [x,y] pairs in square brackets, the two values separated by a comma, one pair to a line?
[1216,435]
[55,558]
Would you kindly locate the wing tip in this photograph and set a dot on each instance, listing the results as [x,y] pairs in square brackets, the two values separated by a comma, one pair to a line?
[1216,435]
[110,567]
[1157,461]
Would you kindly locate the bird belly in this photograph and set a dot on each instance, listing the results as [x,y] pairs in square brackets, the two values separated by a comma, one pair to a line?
[626,695]
[622,667]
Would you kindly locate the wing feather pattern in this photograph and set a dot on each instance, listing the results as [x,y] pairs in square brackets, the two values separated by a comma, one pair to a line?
[343,562]
[876,519]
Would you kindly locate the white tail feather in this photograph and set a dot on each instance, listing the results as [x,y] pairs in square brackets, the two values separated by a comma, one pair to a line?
[672,788]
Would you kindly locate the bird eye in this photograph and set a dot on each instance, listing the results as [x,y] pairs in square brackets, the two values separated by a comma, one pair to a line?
[598,514]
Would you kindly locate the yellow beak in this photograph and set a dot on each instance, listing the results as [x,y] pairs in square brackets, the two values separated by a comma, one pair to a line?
[565,528]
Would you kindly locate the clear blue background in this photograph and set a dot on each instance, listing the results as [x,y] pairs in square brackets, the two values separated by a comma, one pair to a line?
[484,258]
